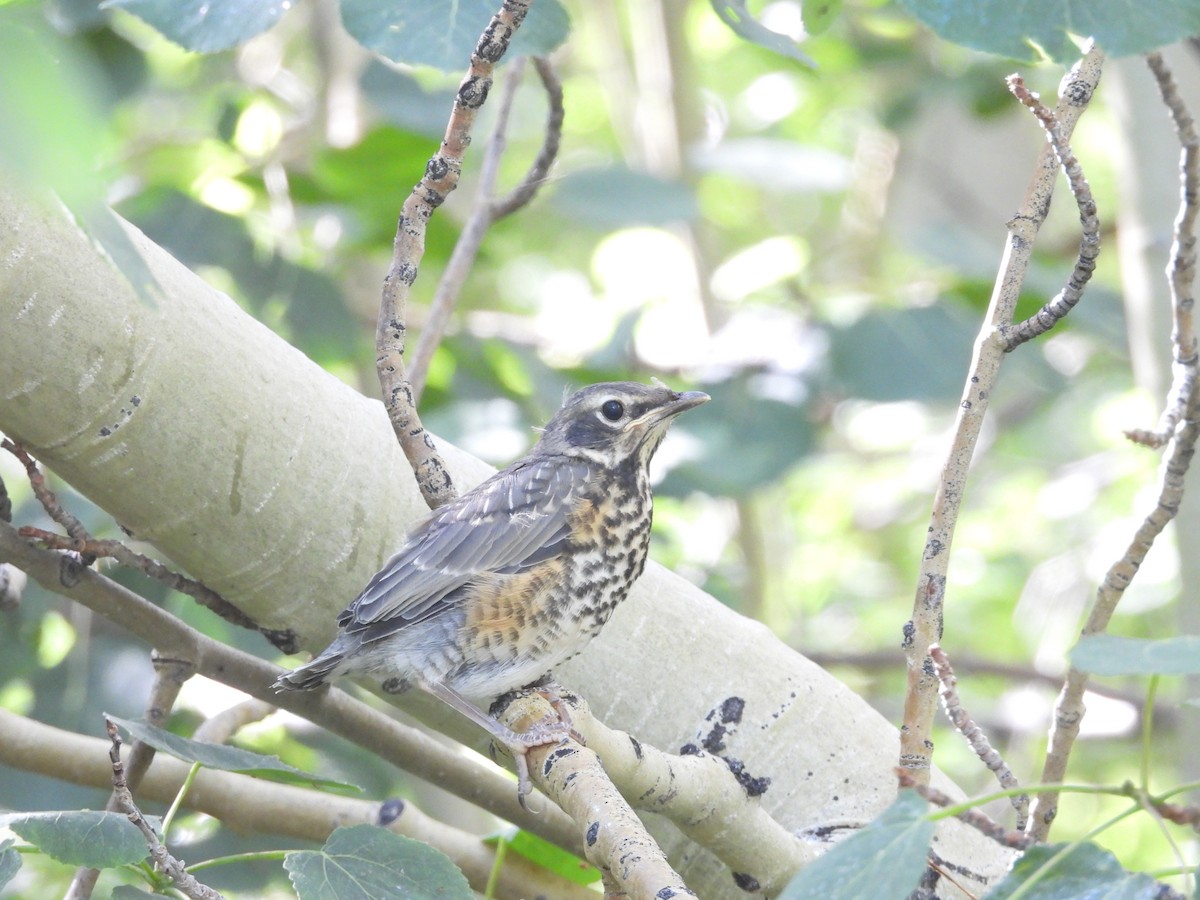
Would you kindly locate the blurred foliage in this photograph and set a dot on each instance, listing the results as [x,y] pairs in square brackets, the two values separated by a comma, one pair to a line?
[815,248]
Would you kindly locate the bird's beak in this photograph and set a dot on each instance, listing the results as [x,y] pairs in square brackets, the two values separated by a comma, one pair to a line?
[677,404]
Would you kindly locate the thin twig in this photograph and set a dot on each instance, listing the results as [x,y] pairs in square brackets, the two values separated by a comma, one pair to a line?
[551,140]
[488,210]
[163,860]
[46,497]
[111,549]
[1181,267]
[466,248]
[924,629]
[169,676]
[976,818]
[974,735]
[1089,243]
[441,177]
[1069,709]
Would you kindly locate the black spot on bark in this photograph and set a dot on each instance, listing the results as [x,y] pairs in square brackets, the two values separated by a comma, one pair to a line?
[593,832]
[746,882]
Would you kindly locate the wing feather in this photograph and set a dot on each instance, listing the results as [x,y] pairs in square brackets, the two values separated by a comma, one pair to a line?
[515,519]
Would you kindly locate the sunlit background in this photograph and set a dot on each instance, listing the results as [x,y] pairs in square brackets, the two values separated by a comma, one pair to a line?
[814,248]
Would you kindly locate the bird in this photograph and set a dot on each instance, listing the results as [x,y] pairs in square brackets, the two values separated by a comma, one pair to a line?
[492,591]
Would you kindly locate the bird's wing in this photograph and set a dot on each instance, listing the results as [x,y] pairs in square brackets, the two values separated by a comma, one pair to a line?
[515,519]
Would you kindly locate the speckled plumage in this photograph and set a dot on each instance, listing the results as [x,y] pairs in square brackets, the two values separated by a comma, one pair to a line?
[496,588]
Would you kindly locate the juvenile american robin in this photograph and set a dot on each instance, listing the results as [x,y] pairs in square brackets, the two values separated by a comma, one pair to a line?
[498,587]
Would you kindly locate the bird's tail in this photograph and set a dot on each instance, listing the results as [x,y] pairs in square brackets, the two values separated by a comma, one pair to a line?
[309,676]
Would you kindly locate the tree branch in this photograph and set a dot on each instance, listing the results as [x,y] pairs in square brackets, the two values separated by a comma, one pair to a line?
[487,210]
[441,177]
[925,627]
[184,881]
[248,804]
[1089,243]
[1181,267]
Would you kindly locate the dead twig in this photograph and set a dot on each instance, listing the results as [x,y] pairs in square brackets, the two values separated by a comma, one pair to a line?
[974,735]
[488,210]
[976,818]
[1181,267]
[46,497]
[1089,243]
[163,860]
[441,177]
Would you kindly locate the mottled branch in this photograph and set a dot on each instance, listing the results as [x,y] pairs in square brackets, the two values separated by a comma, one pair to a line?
[924,629]
[163,860]
[1089,243]
[974,735]
[1181,267]
[441,177]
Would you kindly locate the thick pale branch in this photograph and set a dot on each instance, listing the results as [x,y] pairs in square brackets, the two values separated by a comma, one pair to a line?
[613,837]
[925,627]
[714,805]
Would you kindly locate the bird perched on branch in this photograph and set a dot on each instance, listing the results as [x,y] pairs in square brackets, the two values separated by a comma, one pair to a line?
[496,588]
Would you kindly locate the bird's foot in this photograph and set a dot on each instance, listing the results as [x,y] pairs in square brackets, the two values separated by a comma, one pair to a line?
[550,730]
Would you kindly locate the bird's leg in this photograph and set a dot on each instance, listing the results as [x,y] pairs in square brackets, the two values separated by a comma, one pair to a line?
[518,743]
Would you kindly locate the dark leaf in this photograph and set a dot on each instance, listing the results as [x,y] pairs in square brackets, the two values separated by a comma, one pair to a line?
[368,861]
[444,35]
[10,862]
[229,759]
[739,441]
[910,354]
[206,26]
[99,840]
[885,860]
[1027,30]
[735,14]
[1086,872]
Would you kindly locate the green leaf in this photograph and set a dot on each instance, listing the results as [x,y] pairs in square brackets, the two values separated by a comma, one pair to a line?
[884,860]
[129,892]
[818,15]
[1106,654]
[906,354]
[1086,873]
[10,862]
[615,196]
[1027,30]
[744,405]
[444,35]
[230,759]
[547,855]
[368,861]
[734,14]
[206,26]
[96,839]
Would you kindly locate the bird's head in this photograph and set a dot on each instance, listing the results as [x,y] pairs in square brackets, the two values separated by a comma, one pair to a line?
[611,422]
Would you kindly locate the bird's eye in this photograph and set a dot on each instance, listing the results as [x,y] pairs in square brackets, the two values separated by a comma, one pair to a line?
[612,410]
